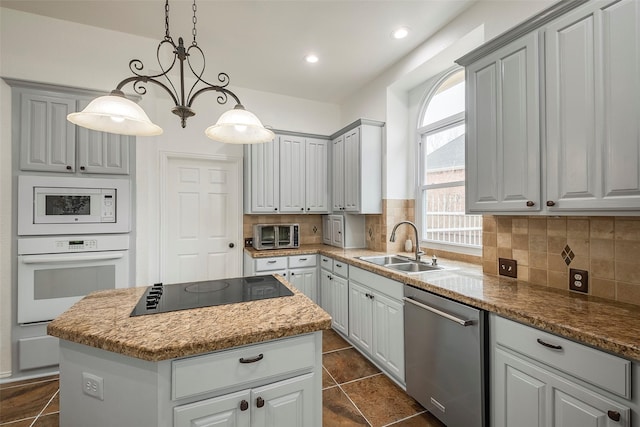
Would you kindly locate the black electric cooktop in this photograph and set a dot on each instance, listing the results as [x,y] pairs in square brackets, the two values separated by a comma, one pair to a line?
[161,298]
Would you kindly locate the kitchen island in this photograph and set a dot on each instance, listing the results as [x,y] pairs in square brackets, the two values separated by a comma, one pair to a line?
[258,362]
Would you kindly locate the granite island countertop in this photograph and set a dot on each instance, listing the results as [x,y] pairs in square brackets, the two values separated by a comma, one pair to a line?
[101,320]
[604,324]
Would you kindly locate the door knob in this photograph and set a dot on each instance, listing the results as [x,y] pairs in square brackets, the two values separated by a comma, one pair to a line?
[259,402]
[231,245]
[551,203]
[530,203]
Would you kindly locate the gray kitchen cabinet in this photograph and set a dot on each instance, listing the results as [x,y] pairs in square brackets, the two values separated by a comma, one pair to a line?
[503,137]
[376,319]
[540,379]
[300,270]
[102,152]
[304,175]
[47,139]
[288,175]
[357,168]
[592,57]
[50,143]
[262,177]
[334,292]
[281,404]
[587,81]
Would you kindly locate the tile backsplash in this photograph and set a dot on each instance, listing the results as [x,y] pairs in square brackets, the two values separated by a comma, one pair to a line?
[547,247]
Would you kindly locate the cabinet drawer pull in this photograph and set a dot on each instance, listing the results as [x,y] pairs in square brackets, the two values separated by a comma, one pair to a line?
[530,203]
[551,203]
[339,265]
[252,359]
[302,259]
[273,261]
[244,405]
[546,344]
[259,402]
[614,415]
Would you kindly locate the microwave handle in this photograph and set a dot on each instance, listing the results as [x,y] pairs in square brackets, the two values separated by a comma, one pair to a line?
[42,259]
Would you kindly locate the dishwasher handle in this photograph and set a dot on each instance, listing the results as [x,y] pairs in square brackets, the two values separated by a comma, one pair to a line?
[434,310]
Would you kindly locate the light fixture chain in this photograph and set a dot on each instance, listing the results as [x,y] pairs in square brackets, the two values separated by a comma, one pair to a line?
[195,20]
[166,20]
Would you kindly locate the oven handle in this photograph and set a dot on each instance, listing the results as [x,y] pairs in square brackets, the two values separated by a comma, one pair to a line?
[44,259]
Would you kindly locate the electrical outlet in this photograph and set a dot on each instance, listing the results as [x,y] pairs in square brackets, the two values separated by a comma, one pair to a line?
[248,242]
[578,280]
[508,267]
[93,385]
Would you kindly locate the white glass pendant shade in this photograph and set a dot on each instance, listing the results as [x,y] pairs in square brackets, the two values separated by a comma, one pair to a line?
[115,114]
[239,126]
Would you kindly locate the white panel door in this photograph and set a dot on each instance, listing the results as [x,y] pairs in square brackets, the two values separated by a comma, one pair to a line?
[388,333]
[306,281]
[352,170]
[265,177]
[337,163]
[360,315]
[202,226]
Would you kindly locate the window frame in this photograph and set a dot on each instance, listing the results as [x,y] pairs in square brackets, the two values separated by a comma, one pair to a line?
[423,132]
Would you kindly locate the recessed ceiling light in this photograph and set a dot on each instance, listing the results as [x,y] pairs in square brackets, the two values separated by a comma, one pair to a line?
[400,33]
[311,58]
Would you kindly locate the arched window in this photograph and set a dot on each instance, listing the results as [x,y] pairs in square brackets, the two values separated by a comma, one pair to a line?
[440,206]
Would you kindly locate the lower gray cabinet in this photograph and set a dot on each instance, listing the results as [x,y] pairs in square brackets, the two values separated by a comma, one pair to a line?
[281,404]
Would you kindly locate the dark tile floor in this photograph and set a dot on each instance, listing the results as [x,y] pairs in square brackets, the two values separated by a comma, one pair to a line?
[355,393]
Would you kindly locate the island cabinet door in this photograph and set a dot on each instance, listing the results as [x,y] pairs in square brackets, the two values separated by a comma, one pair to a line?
[230,410]
[288,403]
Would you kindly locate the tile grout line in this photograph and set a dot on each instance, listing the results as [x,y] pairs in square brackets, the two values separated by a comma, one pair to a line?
[347,396]
[45,407]
[405,418]
[336,350]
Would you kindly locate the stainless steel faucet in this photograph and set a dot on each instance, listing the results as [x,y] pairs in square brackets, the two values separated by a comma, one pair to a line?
[419,253]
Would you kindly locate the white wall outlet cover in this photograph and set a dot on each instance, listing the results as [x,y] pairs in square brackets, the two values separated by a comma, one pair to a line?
[93,385]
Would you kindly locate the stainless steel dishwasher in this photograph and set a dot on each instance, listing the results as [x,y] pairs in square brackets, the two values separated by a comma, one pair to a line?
[446,358]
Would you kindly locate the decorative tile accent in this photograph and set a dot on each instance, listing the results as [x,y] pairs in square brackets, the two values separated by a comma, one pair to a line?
[567,255]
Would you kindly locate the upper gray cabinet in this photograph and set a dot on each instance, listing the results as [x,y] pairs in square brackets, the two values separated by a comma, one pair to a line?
[357,168]
[49,143]
[503,129]
[288,175]
[584,157]
[593,108]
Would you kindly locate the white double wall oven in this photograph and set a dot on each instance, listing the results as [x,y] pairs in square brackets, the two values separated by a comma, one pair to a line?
[73,239]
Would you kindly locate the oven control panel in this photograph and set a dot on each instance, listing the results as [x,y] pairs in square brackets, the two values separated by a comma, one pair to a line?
[77,245]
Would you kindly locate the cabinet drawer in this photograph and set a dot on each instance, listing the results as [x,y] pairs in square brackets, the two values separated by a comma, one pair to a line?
[273,263]
[326,263]
[596,367]
[300,261]
[341,268]
[383,285]
[217,371]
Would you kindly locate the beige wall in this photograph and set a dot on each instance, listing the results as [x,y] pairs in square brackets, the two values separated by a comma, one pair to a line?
[607,247]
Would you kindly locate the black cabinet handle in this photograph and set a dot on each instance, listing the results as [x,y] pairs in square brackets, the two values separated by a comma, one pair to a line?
[546,344]
[82,168]
[530,203]
[614,415]
[259,402]
[275,209]
[551,203]
[69,168]
[244,405]
[231,245]
[252,359]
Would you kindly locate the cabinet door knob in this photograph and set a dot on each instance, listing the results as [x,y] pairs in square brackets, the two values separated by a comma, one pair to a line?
[551,203]
[231,245]
[82,168]
[259,402]
[302,209]
[275,209]
[69,168]
[530,203]
[244,405]
[614,415]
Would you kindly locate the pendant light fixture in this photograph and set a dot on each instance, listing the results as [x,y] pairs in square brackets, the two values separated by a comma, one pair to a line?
[116,114]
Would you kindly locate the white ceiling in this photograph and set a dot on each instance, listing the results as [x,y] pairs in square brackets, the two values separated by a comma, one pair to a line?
[261,44]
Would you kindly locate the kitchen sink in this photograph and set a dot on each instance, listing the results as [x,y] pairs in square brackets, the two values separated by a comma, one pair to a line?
[401,264]
[384,259]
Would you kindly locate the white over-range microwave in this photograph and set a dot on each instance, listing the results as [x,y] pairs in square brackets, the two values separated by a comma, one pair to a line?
[64,205]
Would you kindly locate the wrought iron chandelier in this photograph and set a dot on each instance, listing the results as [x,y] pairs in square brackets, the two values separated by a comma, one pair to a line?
[116,114]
